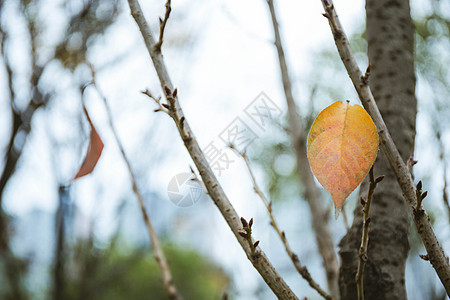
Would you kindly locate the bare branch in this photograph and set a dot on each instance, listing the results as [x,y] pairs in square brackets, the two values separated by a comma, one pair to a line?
[161,106]
[261,263]
[442,158]
[312,192]
[359,278]
[302,270]
[162,26]
[435,252]
[344,216]
[156,244]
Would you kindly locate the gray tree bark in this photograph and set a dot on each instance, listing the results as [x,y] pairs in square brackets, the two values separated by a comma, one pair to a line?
[390,36]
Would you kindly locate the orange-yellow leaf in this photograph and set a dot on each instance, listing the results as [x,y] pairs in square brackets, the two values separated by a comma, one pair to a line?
[342,147]
[94,151]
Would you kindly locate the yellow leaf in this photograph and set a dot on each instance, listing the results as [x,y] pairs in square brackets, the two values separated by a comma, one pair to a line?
[342,147]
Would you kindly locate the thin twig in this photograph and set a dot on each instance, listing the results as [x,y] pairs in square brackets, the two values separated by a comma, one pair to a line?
[302,270]
[444,163]
[359,278]
[312,193]
[162,26]
[161,106]
[435,252]
[344,215]
[420,195]
[215,191]
[246,233]
[156,244]
[410,163]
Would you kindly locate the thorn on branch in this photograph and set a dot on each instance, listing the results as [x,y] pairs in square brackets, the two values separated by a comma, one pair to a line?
[244,222]
[187,138]
[420,195]
[424,257]
[246,232]
[419,186]
[182,122]
[243,234]
[363,257]
[363,202]
[411,162]
[424,195]
[365,77]
[379,179]
[168,91]
[162,26]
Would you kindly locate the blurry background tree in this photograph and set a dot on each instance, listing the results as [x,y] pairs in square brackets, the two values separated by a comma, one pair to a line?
[85,242]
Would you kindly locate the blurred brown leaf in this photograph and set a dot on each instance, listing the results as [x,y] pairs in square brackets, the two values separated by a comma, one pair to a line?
[94,151]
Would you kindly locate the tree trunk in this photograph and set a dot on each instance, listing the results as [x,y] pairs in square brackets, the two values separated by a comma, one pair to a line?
[390,36]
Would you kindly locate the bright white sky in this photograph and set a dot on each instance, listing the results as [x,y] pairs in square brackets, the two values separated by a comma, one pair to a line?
[231,61]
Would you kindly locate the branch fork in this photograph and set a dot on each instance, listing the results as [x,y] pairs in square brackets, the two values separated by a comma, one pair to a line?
[169,108]
[365,77]
[215,190]
[302,270]
[162,26]
[161,106]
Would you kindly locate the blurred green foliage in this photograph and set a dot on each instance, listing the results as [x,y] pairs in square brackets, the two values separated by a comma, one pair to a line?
[113,273]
